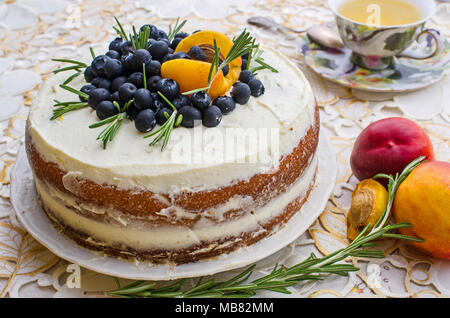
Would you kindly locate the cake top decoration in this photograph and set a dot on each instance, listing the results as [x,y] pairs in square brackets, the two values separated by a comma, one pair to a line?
[168,79]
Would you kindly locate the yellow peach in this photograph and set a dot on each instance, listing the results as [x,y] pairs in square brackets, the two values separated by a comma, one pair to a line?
[423,200]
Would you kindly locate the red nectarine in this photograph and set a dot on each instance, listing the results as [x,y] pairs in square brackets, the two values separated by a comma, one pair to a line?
[387,146]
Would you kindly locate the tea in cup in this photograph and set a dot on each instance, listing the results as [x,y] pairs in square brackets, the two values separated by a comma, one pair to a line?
[378,30]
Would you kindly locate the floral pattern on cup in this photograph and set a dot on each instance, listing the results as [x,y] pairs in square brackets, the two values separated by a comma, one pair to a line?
[405,74]
[374,46]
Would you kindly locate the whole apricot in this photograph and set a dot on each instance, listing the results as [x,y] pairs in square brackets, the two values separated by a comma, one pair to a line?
[423,200]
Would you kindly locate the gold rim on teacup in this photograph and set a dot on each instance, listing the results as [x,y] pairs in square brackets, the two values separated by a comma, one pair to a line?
[375,46]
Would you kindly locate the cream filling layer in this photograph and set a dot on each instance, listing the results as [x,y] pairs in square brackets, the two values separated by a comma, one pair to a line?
[188,163]
[175,237]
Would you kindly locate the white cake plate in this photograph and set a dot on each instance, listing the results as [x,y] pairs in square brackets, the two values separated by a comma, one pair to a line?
[29,212]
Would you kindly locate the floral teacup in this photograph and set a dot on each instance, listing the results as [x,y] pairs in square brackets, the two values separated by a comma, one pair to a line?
[374,46]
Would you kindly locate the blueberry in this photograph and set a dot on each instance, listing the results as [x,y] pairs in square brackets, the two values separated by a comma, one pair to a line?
[126,47]
[245,56]
[160,117]
[197,53]
[162,35]
[106,109]
[168,87]
[181,55]
[103,83]
[225,103]
[127,61]
[86,89]
[153,81]
[158,49]
[244,64]
[182,35]
[137,79]
[132,111]
[126,92]
[150,42]
[88,75]
[143,98]
[140,57]
[246,76]
[98,95]
[115,45]
[145,120]
[201,100]
[190,115]
[225,70]
[212,116]
[150,26]
[98,65]
[113,54]
[170,50]
[154,33]
[113,68]
[115,97]
[256,87]
[240,93]
[158,103]
[180,101]
[165,41]
[117,82]
[168,57]
[95,81]
[175,42]
[153,68]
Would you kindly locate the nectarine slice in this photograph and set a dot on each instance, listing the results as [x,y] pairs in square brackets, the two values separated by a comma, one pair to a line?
[192,74]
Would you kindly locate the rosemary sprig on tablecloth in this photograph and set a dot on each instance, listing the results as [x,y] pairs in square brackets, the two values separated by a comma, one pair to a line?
[281,278]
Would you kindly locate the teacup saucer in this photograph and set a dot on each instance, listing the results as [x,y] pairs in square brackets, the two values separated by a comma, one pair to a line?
[406,74]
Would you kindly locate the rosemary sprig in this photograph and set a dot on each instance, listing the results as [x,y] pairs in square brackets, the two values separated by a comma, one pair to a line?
[120,31]
[242,44]
[176,29]
[281,278]
[255,57]
[64,107]
[114,123]
[76,66]
[91,50]
[163,133]
[140,40]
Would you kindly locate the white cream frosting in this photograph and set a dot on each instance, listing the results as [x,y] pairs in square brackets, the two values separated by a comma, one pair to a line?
[140,237]
[130,163]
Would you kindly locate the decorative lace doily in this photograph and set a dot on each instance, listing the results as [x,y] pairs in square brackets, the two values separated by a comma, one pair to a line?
[34,31]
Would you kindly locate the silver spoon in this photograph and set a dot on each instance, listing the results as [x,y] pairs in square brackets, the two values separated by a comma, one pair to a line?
[317,33]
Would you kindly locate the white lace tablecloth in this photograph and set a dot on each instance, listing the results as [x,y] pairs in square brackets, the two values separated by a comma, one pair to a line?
[34,31]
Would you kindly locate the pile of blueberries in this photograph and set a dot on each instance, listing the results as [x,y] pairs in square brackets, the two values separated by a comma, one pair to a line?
[118,76]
